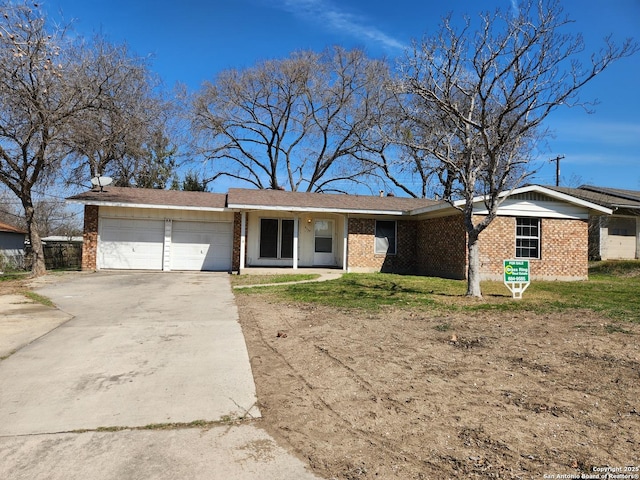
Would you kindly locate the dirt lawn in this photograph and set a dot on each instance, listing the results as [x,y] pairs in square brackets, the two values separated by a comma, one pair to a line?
[401,394]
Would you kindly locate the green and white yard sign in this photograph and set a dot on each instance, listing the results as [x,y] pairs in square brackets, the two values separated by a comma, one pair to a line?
[516,276]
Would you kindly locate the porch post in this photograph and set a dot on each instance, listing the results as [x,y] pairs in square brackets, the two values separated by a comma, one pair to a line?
[638,237]
[243,238]
[296,223]
[345,244]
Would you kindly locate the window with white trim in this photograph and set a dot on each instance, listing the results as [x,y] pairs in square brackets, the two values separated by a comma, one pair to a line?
[527,237]
[386,237]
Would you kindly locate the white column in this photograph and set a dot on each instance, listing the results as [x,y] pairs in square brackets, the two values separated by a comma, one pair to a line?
[243,239]
[166,254]
[345,244]
[296,223]
[637,237]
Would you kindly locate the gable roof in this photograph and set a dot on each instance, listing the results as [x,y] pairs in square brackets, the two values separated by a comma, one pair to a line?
[612,198]
[151,198]
[241,198]
[555,194]
[5,227]
[253,199]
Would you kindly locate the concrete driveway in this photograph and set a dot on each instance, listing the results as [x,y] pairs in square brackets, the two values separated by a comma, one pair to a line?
[141,351]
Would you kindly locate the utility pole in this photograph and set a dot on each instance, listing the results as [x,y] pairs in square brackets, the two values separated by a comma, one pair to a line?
[557,160]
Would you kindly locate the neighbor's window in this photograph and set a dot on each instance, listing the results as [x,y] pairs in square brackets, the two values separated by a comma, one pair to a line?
[527,238]
[276,238]
[385,237]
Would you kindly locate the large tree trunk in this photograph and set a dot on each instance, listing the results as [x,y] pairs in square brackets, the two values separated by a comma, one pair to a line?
[473,269]
[38,267]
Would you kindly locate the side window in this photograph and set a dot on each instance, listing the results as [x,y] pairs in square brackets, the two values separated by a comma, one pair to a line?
[385,237]
[527,237]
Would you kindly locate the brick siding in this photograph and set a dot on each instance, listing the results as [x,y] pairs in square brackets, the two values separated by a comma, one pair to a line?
[442,247]
[564,247]
[90,237]
[362,256]
[237,234]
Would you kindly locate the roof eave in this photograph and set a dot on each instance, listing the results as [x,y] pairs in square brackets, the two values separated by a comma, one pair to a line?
[549,192]
[285,208]
[100,203]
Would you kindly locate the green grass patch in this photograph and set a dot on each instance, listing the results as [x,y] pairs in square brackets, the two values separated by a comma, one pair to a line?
[613,295]
[241,280]
[39,298]
[14,276]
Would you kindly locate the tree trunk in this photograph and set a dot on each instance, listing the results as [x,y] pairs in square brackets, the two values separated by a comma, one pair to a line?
[38,267]
[473,269]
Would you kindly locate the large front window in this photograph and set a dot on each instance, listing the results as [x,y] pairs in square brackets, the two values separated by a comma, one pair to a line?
[527,238]
[385,237]
[276,238]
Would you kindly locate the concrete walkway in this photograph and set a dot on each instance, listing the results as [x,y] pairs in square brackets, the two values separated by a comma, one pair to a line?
[324,275]
[116,390]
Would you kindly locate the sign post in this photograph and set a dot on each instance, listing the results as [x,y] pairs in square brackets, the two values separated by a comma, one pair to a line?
[516,276]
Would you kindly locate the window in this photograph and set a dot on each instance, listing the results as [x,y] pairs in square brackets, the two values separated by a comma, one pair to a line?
[385,237]
[324,236]
[276,238]
[527,238]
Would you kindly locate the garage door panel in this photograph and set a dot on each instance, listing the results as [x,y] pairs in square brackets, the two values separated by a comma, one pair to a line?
[131,244]
[201,245]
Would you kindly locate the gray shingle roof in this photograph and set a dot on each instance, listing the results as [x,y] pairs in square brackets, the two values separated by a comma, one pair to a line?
[607,197]
[152,197]
[239,198]
[251,198]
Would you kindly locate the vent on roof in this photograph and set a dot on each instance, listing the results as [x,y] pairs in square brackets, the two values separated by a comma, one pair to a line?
[531,196]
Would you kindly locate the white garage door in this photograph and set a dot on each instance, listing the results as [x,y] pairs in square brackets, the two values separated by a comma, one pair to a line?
[201,245]
[131,244]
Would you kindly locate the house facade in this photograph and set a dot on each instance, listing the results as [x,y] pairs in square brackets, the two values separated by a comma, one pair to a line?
[127,228]
[11,245]
[615,236]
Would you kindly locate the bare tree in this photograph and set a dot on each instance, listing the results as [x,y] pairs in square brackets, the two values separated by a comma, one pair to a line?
[299,122]
[126,132]
[482,97]
[37,98]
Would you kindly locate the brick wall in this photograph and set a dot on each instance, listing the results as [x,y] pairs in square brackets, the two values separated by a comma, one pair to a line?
[237,233]
[90,237]
[442,247]
[564,247]
[362,256]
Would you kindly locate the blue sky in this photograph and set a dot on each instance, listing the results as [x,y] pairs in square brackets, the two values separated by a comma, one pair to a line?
[191,40]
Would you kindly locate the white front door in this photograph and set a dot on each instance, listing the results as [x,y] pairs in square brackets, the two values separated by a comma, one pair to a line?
[324,244]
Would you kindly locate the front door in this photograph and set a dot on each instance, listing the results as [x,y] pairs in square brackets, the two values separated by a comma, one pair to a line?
[324,243]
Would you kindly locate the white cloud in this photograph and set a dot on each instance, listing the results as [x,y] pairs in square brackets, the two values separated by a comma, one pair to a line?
[325,13]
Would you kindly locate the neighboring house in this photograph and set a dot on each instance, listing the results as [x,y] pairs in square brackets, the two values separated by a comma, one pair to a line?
[11,245]
[129,228]
[615,236]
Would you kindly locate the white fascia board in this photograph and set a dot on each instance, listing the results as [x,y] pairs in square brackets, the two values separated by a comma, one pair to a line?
[546,191]
[146,205]
[315,210]
[432,208]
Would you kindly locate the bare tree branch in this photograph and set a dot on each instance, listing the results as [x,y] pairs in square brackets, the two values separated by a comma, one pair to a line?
[478,102]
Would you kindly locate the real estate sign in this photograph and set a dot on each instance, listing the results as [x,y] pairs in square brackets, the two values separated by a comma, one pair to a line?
[516,271]
[516,276]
